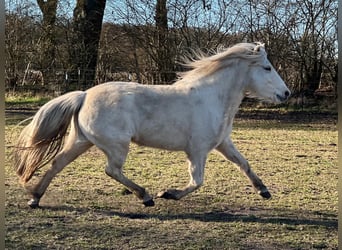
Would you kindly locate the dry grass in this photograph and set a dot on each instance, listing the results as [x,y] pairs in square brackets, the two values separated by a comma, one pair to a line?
[84,209]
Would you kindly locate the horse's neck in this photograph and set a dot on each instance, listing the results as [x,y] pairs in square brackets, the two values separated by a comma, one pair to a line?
[226,87]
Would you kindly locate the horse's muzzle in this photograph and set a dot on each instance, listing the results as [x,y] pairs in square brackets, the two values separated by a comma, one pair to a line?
[284,97]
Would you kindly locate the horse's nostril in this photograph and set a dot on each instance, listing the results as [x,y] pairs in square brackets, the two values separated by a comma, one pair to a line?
[287,93]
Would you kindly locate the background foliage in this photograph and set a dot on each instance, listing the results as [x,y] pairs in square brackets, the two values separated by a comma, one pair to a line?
[144,40]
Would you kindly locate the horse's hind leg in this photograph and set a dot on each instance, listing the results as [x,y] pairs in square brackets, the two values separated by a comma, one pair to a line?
[75,145]
[196,171]
[228,150]
[116,158]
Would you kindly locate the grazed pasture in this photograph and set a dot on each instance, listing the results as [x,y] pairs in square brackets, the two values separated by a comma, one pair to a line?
[294,153]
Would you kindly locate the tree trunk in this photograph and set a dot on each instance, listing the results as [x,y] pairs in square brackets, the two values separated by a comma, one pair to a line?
[88,16]
[48,41]
[314,78]
[164,59]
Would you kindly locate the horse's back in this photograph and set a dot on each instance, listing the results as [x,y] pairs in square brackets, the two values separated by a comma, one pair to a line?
[110,90]
[148,115]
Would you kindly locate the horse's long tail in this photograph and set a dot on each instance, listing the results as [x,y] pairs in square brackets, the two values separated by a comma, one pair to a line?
[42,139]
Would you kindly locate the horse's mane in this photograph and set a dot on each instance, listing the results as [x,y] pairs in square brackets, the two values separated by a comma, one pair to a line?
[202,65]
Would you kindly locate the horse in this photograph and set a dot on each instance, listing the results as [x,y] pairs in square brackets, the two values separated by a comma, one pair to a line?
[194,115]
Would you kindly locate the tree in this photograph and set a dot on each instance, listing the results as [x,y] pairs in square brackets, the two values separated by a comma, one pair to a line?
[300,36]
[21,40]
[148,38]
[314,41]
[48,43]
[87,26]
[164,58]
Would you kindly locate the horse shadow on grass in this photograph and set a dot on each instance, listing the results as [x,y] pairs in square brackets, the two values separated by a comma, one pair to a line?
[263,216]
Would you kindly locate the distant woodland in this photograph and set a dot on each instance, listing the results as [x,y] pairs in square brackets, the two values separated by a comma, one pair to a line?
[65,45]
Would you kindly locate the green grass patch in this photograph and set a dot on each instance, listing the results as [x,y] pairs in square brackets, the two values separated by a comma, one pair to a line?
[84,209]
[25,100]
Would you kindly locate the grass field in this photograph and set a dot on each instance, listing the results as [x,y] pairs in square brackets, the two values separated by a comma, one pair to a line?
[295,155]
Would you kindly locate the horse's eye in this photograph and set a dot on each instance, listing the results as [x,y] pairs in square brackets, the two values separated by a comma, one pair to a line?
[268,68]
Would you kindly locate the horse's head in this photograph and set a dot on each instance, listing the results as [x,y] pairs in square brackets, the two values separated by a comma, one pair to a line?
[264,81]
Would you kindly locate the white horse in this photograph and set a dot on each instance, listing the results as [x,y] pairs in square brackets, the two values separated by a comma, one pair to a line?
[194,115]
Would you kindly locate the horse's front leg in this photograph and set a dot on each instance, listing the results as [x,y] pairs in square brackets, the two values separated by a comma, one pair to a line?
[196,171]
[228,150]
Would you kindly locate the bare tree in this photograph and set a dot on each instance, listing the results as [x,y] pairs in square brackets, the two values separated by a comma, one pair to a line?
[163,31]
[300,35]
[21,39]
[87,25]
[147,38]
[146,25]
[318,23]
[164,57]
[48,41]
[206,24]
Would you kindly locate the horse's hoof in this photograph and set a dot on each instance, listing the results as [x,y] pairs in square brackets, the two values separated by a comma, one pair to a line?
[266,195]
[149,203]
[167,195]
[33,203]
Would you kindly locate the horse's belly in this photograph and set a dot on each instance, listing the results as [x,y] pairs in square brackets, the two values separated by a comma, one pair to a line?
[165,139]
